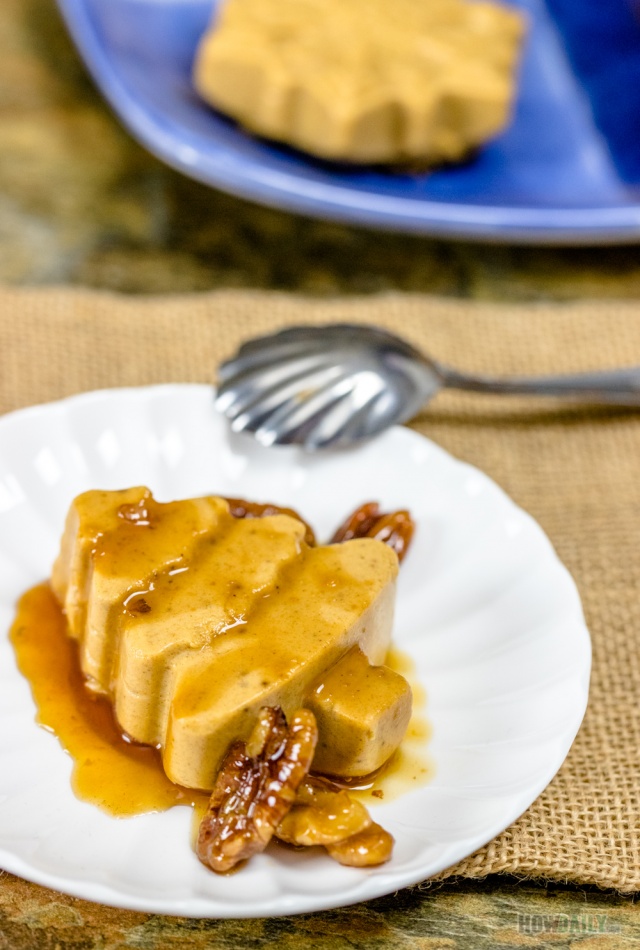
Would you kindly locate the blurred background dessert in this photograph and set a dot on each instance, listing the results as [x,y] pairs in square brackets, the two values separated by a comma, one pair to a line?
[365,81]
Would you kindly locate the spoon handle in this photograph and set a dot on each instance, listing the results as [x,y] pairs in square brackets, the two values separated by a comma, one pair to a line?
[617,387]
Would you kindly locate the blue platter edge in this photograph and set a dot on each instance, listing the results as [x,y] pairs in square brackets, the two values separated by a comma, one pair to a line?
[563,173]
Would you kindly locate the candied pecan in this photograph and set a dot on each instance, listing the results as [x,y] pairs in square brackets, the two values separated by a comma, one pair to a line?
[368,847]
[256,787]
[358,523]
[322,814]
[394,528]
[240,508]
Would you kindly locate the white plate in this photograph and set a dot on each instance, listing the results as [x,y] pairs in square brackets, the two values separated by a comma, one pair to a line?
[485,609]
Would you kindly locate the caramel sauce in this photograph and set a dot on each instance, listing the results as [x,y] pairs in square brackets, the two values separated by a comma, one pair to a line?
[410,766]
[118,776]
[124,778]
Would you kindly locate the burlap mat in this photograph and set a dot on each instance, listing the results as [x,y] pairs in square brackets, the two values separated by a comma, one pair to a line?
[576,471]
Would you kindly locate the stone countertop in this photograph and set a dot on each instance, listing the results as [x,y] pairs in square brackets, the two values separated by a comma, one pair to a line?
[497,914]
[81,203]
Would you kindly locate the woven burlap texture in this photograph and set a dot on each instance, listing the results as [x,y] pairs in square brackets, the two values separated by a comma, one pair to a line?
[576,471]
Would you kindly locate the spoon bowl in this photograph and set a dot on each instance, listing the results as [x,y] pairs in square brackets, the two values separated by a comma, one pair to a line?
[338,384]
[326,385]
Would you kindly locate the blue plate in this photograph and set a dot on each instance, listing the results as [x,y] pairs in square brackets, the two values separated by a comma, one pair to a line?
[567,170]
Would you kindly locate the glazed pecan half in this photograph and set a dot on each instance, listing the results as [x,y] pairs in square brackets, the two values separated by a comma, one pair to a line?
[322,814]
[364,849]
[327,815]
[394,528]
[256,787]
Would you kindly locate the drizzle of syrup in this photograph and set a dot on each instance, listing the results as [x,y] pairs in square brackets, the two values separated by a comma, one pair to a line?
[125,778]
[115,774]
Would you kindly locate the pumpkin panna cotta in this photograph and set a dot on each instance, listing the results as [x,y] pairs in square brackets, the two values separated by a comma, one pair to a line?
[223,636]
[365,81]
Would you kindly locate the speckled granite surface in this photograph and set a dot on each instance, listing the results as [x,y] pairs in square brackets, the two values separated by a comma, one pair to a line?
[80,203]
[496,915]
